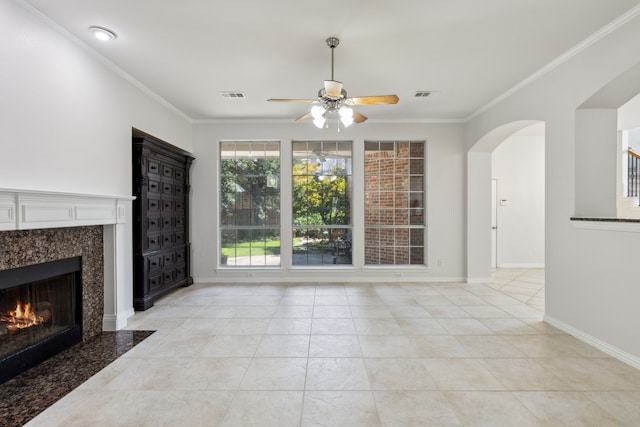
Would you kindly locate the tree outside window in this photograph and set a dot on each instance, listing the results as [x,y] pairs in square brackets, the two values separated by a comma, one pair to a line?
[321,203]
[250,203]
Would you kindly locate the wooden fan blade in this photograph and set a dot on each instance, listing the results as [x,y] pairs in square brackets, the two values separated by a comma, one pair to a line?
[290,100]
[305,116]
[358,117]
[370,100]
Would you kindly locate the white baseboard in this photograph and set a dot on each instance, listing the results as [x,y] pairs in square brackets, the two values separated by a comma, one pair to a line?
[479,280]
[312,277]
[517,265]
[109,322]
[112,322]
[612,351]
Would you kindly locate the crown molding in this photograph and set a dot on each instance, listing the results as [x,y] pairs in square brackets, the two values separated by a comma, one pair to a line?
[584,44]
[107,63]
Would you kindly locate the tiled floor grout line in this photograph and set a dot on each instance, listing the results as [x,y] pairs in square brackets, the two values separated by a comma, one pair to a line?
[304,387]
[480,332]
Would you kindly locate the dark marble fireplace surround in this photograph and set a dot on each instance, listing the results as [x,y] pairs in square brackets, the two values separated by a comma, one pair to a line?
[20,248]
[30,393]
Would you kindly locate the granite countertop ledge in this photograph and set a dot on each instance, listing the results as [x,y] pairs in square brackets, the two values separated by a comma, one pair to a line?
[632,220]
[625,225]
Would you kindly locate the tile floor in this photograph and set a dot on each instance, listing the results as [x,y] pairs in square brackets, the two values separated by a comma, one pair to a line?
[355,355]
[28,394]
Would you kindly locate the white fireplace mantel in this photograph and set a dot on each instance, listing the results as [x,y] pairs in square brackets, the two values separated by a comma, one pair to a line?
[28,209]
[31,209]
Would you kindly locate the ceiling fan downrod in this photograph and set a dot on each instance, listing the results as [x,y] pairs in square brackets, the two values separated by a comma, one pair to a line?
[332,42]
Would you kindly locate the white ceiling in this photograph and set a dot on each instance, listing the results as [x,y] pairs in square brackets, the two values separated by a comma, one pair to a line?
[469,51]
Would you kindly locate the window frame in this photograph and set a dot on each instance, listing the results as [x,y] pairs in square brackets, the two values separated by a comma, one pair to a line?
[392,229]
[251,228]
[339,242]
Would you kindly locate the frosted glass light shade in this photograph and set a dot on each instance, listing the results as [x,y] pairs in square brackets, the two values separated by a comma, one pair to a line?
[332,88]
[346,116]
[319,122]
[317,111]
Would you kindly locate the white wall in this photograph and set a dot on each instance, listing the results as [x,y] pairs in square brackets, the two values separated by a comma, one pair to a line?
[445,199]
[65,116]
[629,114]
[65,126]
[518,166]
[591,279]
[596,161]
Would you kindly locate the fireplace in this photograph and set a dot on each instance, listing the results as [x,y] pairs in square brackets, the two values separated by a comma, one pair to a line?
[40,313]
[39,227]
[76,253]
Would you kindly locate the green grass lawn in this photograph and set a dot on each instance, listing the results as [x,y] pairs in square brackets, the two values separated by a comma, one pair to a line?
[271,247]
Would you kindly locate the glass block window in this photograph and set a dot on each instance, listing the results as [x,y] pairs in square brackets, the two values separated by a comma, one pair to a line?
[394,203]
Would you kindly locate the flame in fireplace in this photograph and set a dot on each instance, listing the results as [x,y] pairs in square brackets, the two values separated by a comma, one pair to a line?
[22,317]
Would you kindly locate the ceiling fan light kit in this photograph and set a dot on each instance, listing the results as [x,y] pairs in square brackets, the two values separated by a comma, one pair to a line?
[318,113]
[346,116]
[333,101]
[332,88]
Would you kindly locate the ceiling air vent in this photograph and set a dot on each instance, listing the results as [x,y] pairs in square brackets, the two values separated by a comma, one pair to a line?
[423,93]
[232,95]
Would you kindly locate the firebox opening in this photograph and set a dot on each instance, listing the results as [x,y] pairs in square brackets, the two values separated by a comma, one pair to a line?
[40,313]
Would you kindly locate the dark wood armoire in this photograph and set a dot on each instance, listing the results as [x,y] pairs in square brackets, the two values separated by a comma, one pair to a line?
[161,247]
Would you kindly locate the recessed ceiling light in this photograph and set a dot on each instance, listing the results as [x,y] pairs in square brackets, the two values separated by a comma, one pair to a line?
[102,33]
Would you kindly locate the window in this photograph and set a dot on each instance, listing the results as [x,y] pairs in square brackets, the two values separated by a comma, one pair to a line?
[321,203]
[250,203]
[394,203]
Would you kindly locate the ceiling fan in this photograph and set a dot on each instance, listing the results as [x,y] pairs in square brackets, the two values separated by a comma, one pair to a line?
[332,100]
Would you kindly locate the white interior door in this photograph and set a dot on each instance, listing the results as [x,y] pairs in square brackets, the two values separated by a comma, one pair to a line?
[494,223]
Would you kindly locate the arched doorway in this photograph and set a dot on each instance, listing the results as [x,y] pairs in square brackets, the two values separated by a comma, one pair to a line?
[479,199]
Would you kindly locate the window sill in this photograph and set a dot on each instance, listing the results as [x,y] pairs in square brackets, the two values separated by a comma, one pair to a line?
[607,224]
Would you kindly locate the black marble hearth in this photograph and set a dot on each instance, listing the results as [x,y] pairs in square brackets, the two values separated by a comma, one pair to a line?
[25,396]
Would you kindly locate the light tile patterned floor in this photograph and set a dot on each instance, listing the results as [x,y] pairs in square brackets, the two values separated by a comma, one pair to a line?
[356,355]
